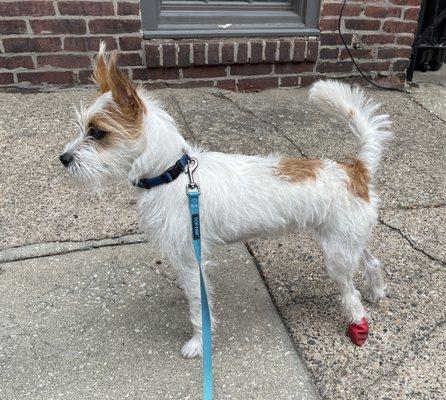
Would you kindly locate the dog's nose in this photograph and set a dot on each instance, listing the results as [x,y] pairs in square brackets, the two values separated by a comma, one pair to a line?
[65,159]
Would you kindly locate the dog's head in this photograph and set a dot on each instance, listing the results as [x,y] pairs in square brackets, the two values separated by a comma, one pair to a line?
[110,130]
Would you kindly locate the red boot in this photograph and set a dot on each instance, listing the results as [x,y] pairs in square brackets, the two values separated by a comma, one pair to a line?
[358,332]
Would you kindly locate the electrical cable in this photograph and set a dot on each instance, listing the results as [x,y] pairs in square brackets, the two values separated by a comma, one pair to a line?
[354,62]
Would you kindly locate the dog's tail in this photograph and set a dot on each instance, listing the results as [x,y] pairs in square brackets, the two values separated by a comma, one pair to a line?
[370,128]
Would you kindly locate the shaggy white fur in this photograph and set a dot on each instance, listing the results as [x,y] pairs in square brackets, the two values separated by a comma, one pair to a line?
[243,197]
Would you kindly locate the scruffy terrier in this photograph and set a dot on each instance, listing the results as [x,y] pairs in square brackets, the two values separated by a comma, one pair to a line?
[125,134]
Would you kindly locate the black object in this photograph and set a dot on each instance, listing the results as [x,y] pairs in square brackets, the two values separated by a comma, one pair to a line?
[429,48]
[167,176]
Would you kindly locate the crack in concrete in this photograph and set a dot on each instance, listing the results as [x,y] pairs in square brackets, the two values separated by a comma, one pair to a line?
[58,248]
[183,117]
[426,109]
[294,342]
[416,207]
[412,243]
[220,95]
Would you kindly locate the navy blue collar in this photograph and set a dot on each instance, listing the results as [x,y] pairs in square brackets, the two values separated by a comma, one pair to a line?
[167,176]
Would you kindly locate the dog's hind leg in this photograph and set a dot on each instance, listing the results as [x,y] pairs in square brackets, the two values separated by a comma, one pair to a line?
[373,276]
[341,260]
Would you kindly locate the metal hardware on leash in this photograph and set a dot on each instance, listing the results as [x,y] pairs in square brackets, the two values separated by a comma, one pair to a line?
[190,173]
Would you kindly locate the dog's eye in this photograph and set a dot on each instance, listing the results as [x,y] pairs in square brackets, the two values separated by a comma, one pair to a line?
[96,133]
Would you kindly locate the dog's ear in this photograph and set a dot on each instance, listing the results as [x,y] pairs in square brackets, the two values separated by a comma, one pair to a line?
[100,70]
[123,91]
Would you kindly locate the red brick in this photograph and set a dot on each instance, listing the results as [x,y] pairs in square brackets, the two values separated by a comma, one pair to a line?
[288,81]
[184,55]
[228,84]
[85,76]
[152,55]
[64,61]
[37,45]
[378,39]
[227,53]
[102,8]
[374,66]
[334,9]
[242,53]
[382,11]
[400,26]
[285,51]
[362,24]
[163,73]
[52,26]
[256,52]
[140,74]
[199,57]
[329,54]
[6,78]
[312,50]
[88,43]
[12,27]
[130,43]
[169,54]
[405,40]
[255,84]
[16,62]
[213,54]
[329,24]
[251,69]
[299,50]
[26,8]
[294,68]
[332,39]
[204,72]
[342,66]
[395,52]
[114,26]
[400,65]
[308,80]
[51,77]
[412,13]
[270,50]
[357,53]
[129,59]
[128,8]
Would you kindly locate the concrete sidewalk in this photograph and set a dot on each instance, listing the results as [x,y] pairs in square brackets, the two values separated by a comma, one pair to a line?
[58,299]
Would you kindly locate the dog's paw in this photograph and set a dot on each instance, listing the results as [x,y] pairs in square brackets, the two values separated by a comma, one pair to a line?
[192,348]
[358,332]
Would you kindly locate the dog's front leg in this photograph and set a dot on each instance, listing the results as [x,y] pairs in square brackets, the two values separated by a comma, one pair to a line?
[190,282]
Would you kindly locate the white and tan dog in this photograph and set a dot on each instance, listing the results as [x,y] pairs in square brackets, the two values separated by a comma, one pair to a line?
[125,134]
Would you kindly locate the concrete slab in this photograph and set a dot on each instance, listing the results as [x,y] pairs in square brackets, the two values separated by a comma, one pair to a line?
[401,326]
[109,323]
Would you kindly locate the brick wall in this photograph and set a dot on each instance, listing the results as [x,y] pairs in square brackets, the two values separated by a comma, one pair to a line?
[53,42]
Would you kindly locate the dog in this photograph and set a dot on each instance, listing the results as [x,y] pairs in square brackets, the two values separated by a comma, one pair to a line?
[126,135]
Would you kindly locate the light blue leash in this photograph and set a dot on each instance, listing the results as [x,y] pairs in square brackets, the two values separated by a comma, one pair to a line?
[193,193]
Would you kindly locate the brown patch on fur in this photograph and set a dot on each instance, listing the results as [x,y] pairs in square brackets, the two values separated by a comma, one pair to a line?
[359,179]
[351,113]
[298,169]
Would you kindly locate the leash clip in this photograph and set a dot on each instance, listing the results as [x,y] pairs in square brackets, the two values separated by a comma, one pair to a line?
[192,186]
